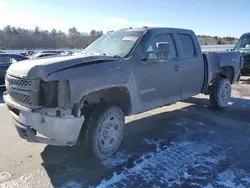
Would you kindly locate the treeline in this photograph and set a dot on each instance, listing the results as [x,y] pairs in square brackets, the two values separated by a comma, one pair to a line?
[18,38]
[209,40]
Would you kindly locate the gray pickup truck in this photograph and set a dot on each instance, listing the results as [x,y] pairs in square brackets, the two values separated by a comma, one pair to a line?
[125,72]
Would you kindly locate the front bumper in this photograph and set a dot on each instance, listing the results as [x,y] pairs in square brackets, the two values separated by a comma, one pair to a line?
[55,130]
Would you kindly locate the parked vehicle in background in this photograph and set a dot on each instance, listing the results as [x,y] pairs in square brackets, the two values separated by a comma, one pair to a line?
[243,46]
[68,52]
[121,73]
[5,61]
[40,55]
[52,51]
[28,53]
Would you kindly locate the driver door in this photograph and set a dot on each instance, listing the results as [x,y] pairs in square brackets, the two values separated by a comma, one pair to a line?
[159,82]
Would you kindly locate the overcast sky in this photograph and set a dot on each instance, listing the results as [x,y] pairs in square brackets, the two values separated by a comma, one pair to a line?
[208,17]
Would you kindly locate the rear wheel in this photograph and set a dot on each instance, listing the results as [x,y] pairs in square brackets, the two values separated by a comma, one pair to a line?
[220,93]
[104,131]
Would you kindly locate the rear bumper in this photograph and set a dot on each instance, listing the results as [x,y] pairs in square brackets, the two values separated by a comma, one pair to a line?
[54,130]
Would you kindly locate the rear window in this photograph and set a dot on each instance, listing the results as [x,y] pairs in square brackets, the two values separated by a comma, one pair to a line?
[187,45]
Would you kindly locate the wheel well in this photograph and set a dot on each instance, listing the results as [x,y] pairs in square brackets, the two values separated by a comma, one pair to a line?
[224,72]
[114,96]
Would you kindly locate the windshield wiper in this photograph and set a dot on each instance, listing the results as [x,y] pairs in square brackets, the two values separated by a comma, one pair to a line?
[117,56]
[94,53]
[98,53]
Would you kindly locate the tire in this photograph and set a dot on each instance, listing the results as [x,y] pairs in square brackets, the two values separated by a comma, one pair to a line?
[104,130]
[220,93]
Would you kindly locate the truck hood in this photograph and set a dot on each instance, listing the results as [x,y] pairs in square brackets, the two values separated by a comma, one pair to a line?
[41,68]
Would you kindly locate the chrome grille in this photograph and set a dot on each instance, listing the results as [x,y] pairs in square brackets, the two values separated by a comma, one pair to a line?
[22,98]
[23,90]
[22,83]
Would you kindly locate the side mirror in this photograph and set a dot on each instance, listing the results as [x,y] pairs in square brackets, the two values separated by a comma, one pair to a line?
[163,50]
[149,55]
[161,54]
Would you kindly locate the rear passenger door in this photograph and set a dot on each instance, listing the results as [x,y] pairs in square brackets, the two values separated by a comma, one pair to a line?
[193,66]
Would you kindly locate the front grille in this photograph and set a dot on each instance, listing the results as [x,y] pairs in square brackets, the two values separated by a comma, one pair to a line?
[22,83]
[23,98]
[23,90]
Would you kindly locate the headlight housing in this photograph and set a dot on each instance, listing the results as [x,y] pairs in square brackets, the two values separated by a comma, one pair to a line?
[54,93]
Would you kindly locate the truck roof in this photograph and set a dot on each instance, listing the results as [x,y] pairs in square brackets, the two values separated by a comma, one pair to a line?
[246,34]
[152,28]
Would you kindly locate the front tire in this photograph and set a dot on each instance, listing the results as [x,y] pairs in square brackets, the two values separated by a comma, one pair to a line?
[220,93]
[104,131]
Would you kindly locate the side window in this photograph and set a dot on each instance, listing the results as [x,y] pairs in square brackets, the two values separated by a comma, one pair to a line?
[187,45]
[4,60]
[163,38]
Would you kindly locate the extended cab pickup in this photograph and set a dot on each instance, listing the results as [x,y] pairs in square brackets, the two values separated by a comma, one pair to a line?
[125,72]
[243,46]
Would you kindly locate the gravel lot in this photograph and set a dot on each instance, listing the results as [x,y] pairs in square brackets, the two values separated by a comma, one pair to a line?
[184,145]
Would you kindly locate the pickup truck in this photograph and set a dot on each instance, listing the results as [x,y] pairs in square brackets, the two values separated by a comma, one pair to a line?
[243,46]
[124,72]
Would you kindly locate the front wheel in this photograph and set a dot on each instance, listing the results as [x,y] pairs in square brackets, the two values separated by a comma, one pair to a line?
[220,93]
[104,131]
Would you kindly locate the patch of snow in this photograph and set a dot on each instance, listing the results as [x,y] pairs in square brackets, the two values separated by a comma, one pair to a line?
[4,176]
[201,123]
[195,184]
[180,124]
[1,104]
[118,159]
[226,178]
[186,175]
[166,167]
[36,179]
[247,179]
[208,186]
[241,186]
[72,184]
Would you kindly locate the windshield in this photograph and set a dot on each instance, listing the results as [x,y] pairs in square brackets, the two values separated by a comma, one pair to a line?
[243,45]
[114,43]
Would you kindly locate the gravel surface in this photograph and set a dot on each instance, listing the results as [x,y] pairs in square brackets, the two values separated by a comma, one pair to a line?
[183,145]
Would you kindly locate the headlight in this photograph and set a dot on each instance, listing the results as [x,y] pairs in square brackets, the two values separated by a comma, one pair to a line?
[54,93]
[48,93]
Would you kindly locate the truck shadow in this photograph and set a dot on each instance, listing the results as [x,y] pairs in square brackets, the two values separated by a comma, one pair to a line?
[66,166]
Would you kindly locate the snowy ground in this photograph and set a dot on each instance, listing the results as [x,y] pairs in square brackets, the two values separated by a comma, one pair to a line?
[183,145]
